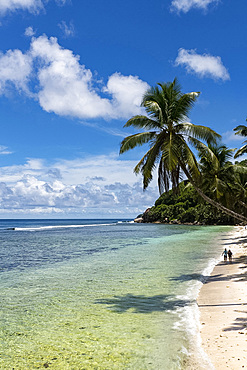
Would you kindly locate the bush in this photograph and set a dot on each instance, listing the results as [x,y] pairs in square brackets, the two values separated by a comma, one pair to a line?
[186,206]
[188,216]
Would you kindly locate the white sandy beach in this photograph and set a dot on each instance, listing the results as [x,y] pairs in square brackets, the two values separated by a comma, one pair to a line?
[223,307]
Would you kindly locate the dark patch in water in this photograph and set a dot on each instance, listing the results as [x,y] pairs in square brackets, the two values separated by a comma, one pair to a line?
[188,277]
[143,304]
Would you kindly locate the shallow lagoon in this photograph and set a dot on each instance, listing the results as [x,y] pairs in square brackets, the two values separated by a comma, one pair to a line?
[108,296]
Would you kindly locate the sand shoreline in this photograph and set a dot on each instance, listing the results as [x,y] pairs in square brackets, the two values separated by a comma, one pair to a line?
[222,302]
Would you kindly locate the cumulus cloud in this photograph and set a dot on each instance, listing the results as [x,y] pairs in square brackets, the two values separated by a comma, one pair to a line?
[126,92]
[204,65]
[29,31]
[15,68]
[32,188]
[68,30]
[186,5]
[12,5]
[65,86]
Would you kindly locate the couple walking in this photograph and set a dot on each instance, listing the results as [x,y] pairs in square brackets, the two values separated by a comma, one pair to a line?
[227,253]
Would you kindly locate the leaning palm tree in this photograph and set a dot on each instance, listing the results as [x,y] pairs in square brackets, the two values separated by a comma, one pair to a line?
[171,137]
[217,175]
[242,131]
[239,186]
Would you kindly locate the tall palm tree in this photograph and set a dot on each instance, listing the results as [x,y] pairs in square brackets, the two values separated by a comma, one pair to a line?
[239,186]
[170,138]
[242,131]
[219,174]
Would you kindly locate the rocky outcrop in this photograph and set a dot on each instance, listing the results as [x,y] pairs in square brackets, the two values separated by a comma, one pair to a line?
[139,220]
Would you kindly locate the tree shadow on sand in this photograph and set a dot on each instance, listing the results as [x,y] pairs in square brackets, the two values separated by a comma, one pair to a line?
[143,304]
[240,241]
[205,279]
[239,324]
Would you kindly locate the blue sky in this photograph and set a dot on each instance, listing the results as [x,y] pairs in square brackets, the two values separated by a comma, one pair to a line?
[72,72]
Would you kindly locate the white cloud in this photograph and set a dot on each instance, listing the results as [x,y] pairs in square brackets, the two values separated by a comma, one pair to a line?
[68,30]
[29,31]
[4,150]
[186,5]
[204,65]
[32,188]
[12,5]
[33,6]
[65,86]
[230,136]
[127,92]
[15,68]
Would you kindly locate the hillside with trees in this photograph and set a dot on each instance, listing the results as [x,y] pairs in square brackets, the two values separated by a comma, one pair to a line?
[216,185]
[185,207]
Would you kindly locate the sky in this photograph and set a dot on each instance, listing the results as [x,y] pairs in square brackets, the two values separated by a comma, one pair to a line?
[72,72]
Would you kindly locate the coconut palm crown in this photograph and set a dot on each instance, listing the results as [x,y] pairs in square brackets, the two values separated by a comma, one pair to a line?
[217,170]
[169,134]
[242,131]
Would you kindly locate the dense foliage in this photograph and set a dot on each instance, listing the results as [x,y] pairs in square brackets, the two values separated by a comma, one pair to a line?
[175,147]
[185,207]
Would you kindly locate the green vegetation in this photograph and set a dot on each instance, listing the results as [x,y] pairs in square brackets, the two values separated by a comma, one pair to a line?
[242,131]
[185,207]
[169,135]
[175,147]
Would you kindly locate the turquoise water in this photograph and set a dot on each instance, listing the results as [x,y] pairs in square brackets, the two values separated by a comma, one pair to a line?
[99,294]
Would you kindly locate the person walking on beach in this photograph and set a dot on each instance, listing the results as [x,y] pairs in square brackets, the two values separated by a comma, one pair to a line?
[225,254]
[230,255]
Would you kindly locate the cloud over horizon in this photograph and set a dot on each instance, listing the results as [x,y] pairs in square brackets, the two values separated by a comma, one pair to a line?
[203,65]
[66,87]
[67,187]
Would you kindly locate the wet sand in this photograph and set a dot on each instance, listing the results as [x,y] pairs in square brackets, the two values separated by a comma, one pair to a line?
[223,307]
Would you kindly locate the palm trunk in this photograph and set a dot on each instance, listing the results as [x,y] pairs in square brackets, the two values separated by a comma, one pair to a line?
[242,204]
[211,201]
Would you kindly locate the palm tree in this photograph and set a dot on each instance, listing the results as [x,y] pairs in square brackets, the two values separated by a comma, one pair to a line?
[217,174]
[239,186]
[242,131]
[170,138]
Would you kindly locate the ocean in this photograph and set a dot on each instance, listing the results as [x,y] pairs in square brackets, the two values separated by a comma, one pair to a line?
[103,294]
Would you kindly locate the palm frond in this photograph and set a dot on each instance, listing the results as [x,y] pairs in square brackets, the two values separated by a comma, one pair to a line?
[188,158]
[183,106]
[151,160]
[241,130]
[199,132]
[142,122]
[205,152]
[132,141]
[241,151]
[140,164]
